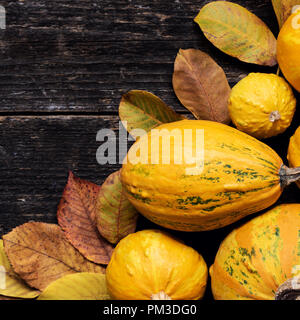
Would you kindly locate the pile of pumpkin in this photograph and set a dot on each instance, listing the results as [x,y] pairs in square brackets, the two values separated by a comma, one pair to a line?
[238,175]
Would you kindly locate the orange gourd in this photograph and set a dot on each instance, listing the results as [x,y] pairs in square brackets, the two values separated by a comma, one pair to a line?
[261,259]
[150,264]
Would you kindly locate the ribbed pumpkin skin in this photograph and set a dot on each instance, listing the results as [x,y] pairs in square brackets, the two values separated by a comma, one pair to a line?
[255,259]
[240,177]
[294,151]
[150,261]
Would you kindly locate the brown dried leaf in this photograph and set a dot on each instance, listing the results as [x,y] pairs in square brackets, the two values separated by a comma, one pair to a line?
[283,9]
[116,217]
[75,217]
[11,285]
[201,85]
[40,253]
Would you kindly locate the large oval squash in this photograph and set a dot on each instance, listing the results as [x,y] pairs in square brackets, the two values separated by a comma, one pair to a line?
[235,175]
[259,259]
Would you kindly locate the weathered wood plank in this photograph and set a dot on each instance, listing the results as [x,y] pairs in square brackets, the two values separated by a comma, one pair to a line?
[112,20]
[97,86]
[81,56]
[36,154]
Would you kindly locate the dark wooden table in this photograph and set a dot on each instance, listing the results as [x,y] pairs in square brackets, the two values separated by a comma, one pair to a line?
[64,65]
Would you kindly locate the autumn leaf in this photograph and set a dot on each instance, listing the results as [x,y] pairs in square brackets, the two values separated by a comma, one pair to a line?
[115,215]
[238,32]
[8,298]
[283,9]
[77,286]
[143,110]
[201,85]
[11,285]
[75,217]
[40,253]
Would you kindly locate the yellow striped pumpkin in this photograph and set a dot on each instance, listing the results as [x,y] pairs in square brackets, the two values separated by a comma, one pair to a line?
[294,151]
[241,175]
[261,258]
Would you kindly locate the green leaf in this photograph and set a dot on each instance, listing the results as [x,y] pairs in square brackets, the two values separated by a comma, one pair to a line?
[79,286]
[11,285]
[238,32]
[143,110]
[115,216]
[283,9]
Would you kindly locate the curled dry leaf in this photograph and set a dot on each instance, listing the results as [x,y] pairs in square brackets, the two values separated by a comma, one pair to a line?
[143,110]
[75,217]
[40,253]
[11,285]
[77,286]
[283,9]
[238,32]
[201,85]
[115,215]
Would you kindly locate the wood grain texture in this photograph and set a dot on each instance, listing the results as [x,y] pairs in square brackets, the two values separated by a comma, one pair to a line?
[36,155]
[81,56]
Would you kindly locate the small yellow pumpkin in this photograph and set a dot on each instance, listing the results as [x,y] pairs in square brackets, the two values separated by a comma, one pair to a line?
[260,260]
[150,264]
[262,105]
[294,151]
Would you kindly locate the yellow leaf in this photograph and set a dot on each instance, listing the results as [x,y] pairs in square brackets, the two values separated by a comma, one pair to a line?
[77,286]
[238,32]
[143,110]
[40,253]
[11,285]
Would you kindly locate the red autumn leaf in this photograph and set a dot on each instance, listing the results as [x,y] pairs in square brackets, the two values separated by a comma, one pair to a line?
[75,218]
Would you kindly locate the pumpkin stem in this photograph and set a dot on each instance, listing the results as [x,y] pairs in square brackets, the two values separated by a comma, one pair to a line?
[160,296]
[288,175]
[274,116]
[289,290]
